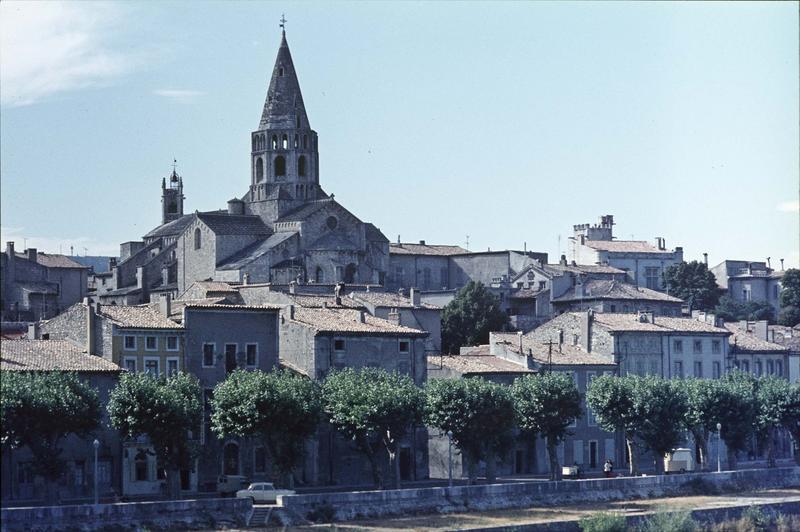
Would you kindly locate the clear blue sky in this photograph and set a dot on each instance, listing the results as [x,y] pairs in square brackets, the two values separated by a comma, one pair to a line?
[507,122]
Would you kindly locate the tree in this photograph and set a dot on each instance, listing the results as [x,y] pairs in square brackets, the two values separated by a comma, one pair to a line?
[730,310]
[612,401]
[694,283]
[470,317]
[774,399]
[373,407]
[791,418]
[790,298]
[737,412]
[38,410]
[478,415]
[281,408]
[704,411]
[163,409]
[546,404]
[661,407]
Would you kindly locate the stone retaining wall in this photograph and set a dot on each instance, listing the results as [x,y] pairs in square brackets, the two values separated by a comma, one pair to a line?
[197,513]
[297,509]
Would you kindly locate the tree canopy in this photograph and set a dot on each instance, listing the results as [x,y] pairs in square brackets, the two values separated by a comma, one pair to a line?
[612,401]
[370,407]
[790,298]
[774,402]
[281,408]
[791,418]
[661,405]
[37,410]
[470,317]
[546,404]
[478,414]
[729,309]
[163,409]
[694,283]
[703,412]
[737,413]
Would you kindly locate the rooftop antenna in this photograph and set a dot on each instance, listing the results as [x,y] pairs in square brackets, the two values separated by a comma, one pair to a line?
[85,252]
[466,244]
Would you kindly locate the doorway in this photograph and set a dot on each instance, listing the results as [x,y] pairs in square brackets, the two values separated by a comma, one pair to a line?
[592,454]
[405,463]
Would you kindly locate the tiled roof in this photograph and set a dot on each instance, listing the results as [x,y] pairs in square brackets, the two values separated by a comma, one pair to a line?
[137,317]
[347,321]
[611,289]
[388,299]
[543,353]
[583,268]
[254,251]
[630,322]
[304,211]
[50,355]
[373,234]
[173,228]
[425,249]
[234,224]
[625,246]
[477,361]
[525,293]
[214,286]
[747,342]
[787,336]
[319,301]
[39,287]
[229,306]
[98,264]
[54,261]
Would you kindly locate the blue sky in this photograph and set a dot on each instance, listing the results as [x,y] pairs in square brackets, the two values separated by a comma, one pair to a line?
[507,122]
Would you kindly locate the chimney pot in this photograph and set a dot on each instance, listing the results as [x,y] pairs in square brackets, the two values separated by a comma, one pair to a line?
[421,242]
[10,248]
[32,255]
[246,279]
[394,316]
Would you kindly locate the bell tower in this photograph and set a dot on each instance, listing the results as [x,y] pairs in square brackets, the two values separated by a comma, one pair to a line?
[284,157]
[172,196]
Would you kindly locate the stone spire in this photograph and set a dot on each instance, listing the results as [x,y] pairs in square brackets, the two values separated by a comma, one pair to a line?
[284,107]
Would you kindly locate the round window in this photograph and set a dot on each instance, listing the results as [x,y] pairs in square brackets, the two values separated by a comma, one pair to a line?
[332,222]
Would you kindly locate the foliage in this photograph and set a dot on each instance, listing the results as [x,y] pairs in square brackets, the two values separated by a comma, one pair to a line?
[774,404]
[603,522]
[703,411]
[281,408]
[667,521]
[661,405]
[790,298]
[737,412]
[470,317]
[370,407]
[694,283]
[547,403]
[730,310]
[38,410]
[611,399]
[477,413]
[790,419]
[163,409]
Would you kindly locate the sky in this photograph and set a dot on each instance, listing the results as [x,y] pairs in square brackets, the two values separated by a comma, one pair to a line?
[497,124]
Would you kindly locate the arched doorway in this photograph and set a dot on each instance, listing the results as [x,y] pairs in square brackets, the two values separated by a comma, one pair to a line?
[230,459]
[350,273]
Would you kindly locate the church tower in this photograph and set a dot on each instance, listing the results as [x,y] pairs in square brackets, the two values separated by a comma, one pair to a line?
[284,157]
[172,196]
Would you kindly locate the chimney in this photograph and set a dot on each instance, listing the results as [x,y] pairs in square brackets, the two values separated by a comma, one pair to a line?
[586,329]
[421,242]
[579,292]
[90,326]
[362,316]
[33,331]
[31,254]
[165,305]
[291,312]
[394,317]
[140,284]
[112,263]
[760,329]
[398,241]
[246,279]
[292,287]
[770,335]
[519,337]
[769,264]
[563,260]
[415,297]
[781,263]
[705,258]
[10,248]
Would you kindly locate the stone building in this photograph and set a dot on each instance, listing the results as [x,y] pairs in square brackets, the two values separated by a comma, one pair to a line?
[616,296]
[745,281]
[752,351]
[38,285]
[644,262]
[19,486]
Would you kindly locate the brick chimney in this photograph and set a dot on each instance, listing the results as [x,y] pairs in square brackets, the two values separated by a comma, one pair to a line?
[112,263]
[32,254]
[91,319]
[394,317]
[587,318]
[292,287]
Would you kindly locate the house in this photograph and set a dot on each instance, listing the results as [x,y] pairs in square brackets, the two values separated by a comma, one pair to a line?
[745,281]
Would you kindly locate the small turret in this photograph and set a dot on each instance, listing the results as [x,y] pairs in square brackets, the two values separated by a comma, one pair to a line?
[172,196]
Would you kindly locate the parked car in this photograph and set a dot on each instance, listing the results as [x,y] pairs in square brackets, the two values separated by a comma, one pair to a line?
[573,471]
[262,492]
[679,461]
[230,484]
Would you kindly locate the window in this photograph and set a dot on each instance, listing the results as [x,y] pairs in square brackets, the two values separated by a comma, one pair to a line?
[613,308]
[677,369]
[332,222]
[230,357]
[172,366]
[698,369]
[717,369]
[104,472]
[251,351]
[338,344]
[697,347]
[296,138]
[78,472]
[172,343]
[259,460]
[779,368]
[140,467]
[280,71]
[130,343]
[426,278]
[651,277]
[677,346]
[151,366]
[405,347]
[197,238]
[208,355]
[757,369]
[319,276]
[745,366]
[443,278]
[716,347]
[150,343]
[770,367]
[274,142]
[301,165]
[284,141]
[654,367]
[130,364]
[280,165]
[590,419]
[399,276]
[259,169]
[746,294]
[25,473]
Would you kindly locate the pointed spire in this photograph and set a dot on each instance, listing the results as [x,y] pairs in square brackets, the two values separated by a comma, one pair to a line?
[284,104]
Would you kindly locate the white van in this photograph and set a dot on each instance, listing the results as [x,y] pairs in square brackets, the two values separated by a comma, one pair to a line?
[679,461]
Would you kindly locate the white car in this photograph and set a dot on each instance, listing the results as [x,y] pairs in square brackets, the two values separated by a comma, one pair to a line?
[262,492]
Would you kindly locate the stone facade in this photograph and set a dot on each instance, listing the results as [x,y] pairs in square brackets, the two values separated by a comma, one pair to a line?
[745,281]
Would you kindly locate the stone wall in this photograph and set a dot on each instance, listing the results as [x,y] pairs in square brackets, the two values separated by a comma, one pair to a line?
[206,513]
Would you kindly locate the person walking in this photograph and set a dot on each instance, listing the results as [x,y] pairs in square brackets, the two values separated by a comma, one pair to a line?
[608,467]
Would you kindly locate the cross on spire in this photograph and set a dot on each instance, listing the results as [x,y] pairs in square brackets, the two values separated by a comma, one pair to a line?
[283,23]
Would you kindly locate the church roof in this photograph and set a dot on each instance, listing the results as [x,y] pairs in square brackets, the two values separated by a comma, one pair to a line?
[284,101]
[234,224]
[173,228]
[611,289]
[304,211]
[373,234]
[406,248]
[254,251]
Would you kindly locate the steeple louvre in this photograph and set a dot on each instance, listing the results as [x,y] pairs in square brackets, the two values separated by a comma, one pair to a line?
[284,107]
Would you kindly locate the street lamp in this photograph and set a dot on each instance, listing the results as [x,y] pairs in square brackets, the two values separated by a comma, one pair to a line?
[719,437]
[449,458]
[96,445]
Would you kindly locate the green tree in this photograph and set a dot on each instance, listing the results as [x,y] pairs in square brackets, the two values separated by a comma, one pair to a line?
[38,410]
[661,407]
[774,399]
[738,407]
[470,317]
[479,416]
[280,408]
[694,283]
[791,418]
[612,401]
[790,298]
[163,409]
[730,310]
[373,407]
[546,404]
[704,411]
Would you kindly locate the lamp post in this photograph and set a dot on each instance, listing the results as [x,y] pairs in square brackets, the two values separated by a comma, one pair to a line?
[96,445]
[719,437]
[450,459]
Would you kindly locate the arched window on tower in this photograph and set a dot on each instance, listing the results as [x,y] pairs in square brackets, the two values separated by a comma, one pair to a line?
[285,143]
[305,141]
[172,208]
[197,238]
[296,141]
[259,169]
[280,166]
[255,143]
[274,142]
[301,166]
[319,277]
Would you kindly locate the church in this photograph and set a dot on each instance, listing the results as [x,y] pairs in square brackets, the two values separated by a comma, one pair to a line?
[284,228]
